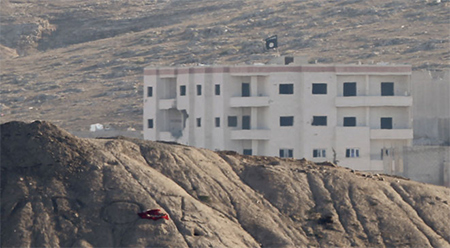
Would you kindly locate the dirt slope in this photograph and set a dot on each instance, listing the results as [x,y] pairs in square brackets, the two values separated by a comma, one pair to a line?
[76,63]
[60,190]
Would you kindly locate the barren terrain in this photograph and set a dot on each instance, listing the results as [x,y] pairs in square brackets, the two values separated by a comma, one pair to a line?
[60,190]
[76,63]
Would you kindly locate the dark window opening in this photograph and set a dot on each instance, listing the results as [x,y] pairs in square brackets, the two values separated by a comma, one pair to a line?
[349,121]
[182,90]
[199,122]
[246,122]
[352,153]
[386,122]
[350,89]
[286,121]
[149,91]
[319,121]
[387,89]
[217,89]
[150,123]
[232,121]
[245,89]
[217,121]
[288,60]
[319,153]
[286,89]
[286,153]
[319,89]
[199,90]
[247,152]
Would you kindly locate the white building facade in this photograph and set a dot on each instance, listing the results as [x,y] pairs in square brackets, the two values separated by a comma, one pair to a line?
[354,114]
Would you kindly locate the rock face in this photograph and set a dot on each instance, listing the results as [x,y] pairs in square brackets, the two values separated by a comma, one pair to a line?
[60,190]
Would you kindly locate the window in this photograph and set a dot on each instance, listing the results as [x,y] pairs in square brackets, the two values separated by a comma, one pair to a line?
[150,123]
[217,121]
[247,152]
[319,121]
[149,91]
[319,89]
[199,90]
[350,89]
[386,122]
[286,153]
[387,89]
[246,122]
[199,122]
[288,60]
[352,153]
[286,121]
[245,89]
[286,89]
[349,121]
[182,90]
[217,89]
[319,153]
[232,121]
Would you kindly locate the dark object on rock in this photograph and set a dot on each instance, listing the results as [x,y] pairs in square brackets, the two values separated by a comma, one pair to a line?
[230,152]
[327,219]
[204,198]
[327,163]
[153,214]
[274,163]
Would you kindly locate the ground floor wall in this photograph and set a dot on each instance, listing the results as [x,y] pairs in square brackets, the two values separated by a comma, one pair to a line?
[432,131]
[431,107]
[428,164]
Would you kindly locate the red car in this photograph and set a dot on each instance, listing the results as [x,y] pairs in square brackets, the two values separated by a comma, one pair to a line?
[153,214]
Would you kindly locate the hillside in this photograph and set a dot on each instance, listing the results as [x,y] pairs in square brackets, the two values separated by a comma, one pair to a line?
[76,63]
[60,190]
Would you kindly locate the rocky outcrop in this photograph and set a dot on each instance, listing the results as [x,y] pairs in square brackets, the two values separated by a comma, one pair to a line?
[60,190]
[6,52]
[25,37]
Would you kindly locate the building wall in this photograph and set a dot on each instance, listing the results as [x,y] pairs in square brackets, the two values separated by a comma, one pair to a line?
[285,105]
[360,81]
[319,137]
[265,105]
[150,107]
[358,112]
[400,117]
[217,109]
[353,138]
[400,88]
[428,164]
[431,111]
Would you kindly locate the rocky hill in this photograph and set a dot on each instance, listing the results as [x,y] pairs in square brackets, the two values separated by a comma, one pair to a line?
[76,63]
[60,190]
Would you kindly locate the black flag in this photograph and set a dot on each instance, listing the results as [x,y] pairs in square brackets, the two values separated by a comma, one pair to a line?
[272,42]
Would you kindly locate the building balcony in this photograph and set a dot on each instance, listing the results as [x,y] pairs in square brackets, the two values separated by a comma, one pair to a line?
[374,101]
[391,134]
[252,134]
[167,103]
[351,130]
[250,101]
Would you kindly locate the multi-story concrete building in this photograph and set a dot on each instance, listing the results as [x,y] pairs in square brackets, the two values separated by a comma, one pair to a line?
[354,114]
